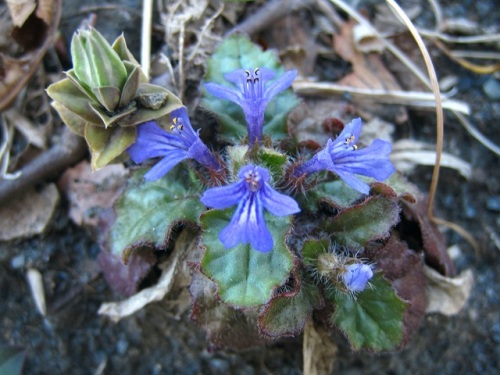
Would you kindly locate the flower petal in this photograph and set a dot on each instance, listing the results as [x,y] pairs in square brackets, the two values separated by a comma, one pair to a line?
[237,77]
[281,84]
[278,204]
[224,92]
[372,161]
[248,225]
[357,276]
[164,166]
[152,141]
[222,197]
[353,181]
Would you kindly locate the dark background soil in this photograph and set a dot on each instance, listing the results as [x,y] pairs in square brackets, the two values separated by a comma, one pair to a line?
[73,339]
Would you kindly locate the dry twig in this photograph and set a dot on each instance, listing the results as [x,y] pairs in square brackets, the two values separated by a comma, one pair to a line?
[70,150]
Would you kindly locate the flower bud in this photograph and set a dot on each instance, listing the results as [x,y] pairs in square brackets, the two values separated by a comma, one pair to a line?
[356,276]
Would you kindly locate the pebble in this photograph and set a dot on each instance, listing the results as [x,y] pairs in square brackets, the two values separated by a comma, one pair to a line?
[121,346]
[18,262]
[219,366]
[493,203]
[492,88]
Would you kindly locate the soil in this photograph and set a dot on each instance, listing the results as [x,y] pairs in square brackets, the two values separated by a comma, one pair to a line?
[73,339]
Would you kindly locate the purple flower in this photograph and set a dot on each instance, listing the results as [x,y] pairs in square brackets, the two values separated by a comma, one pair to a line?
[252,93]
[356,276]
[252,194]
[343,158]
[180,144]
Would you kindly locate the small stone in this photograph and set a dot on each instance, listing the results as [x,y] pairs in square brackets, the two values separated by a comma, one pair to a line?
[121,346]
[492,88]
[18,262]
[493,203]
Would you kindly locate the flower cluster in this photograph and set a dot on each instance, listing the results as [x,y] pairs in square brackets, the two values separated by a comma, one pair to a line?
[285,232]
[252,193]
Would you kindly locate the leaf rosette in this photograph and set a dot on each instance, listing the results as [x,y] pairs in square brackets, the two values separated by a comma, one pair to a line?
[106,95]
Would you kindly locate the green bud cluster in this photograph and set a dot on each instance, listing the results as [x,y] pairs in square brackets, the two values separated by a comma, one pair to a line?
[106,95]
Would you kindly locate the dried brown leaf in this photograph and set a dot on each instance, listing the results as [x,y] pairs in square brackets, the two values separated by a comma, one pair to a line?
[45,10]
[311,120]
[427,235]
[20,10]
[407,154]
[319,350]
[36,35]
[447,295]
[404,268]
[368,69]
[29,214]
[35,282]
[90,192]
[33,134]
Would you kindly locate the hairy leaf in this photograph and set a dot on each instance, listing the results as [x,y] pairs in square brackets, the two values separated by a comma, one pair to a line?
[336,194]
[370,220]
[147,211]
[245,276]
[225,326]
[374,319]
[287,315]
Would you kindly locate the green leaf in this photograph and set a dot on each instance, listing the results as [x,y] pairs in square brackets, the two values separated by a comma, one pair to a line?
[106,65]
[147,211]
[120,47]
[107,144]
[374,319]
[130,88]
[238,52]
[107,118]
[276,114]
[108,96]
[272,160]
[312,249]
[160,101]
[370,220]
[74,122]
[70,96]
[245,276]
[334,193]
[287,315]
[81,61]
[237,158]
[11,360]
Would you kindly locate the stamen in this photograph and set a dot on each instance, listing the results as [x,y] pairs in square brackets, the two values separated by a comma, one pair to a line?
[172,127]
[180,127]
[350,139]
[252,179]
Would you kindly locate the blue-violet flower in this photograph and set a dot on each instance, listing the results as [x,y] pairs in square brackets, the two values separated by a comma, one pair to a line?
[175,146]
[343,158]
[252,194]
[252,94]
[356,276]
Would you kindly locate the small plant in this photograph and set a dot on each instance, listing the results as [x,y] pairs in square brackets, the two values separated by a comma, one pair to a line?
[288,233]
